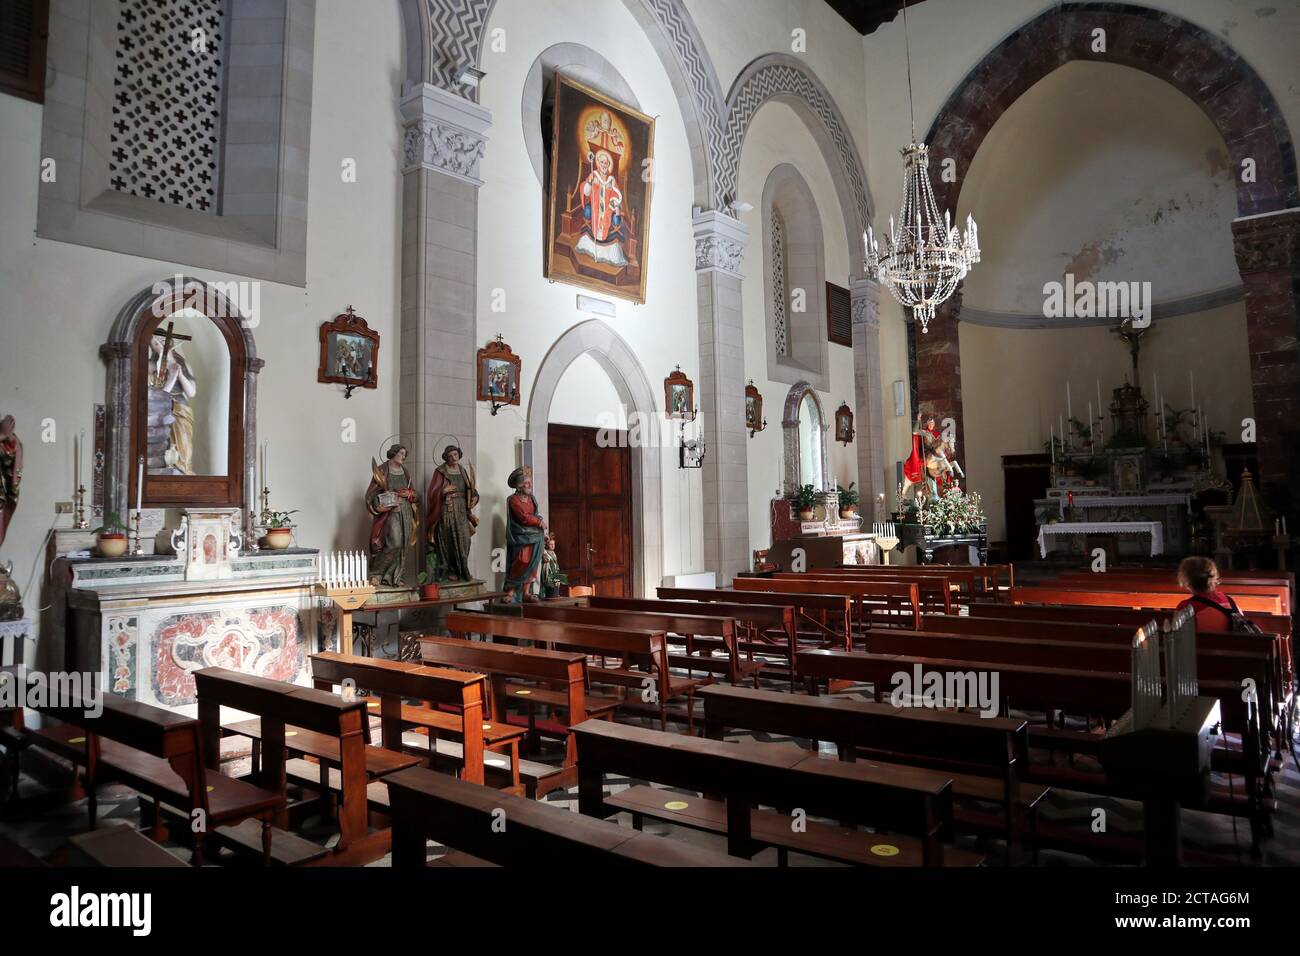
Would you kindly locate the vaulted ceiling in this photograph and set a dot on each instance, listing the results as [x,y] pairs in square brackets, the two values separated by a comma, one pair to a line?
[865,15]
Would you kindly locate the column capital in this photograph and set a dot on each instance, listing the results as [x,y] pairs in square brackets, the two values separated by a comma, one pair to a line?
[1268,242]
[719,243]
[443,132]
[864,294]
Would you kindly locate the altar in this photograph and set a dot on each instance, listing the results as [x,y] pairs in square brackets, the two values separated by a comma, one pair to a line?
[1153,529]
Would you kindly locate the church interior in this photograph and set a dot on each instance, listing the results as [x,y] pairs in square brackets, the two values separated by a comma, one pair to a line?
[746,433]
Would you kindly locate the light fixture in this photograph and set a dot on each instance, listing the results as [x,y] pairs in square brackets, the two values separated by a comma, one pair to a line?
[922,259]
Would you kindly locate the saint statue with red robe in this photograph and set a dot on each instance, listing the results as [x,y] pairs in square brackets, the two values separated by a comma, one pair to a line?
[525,537]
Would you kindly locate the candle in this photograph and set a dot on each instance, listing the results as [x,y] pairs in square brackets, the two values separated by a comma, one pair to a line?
[1069,411]
[252,495]
[1051,440]
[1090,419]
[139,486]
[1101,415]
[78,444]
[1191,384]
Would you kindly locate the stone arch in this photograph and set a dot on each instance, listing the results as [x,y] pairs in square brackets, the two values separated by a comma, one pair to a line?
[451,35]
[789,200]
[777,76]
[1200,65]
[620,363]
[790,433]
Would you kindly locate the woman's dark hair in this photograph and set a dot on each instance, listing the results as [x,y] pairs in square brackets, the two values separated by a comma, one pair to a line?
[446,452]
[1199,575]
[393,450]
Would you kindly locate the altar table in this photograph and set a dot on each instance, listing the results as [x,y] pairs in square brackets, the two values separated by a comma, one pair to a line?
[1154,528]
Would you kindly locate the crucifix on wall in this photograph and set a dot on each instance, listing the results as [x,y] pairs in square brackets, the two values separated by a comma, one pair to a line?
[169,337]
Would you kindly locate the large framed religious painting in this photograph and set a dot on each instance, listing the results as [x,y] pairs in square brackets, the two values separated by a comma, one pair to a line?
[349,352]
[598,198]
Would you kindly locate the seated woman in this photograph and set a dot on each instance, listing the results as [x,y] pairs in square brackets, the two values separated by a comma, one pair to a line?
[1214,609]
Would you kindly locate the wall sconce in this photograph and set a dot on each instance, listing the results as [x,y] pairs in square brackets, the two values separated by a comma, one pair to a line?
[754,419]
[690,452]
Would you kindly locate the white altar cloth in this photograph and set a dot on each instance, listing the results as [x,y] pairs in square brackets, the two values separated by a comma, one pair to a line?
[12,634]
[1154,528]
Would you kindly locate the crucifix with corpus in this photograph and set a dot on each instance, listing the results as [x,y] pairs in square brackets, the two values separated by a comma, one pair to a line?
[172,375]
[169,337]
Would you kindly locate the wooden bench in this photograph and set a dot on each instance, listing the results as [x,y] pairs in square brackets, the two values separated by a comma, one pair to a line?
[1140,600]
[489,827]
[532,678]
[118,846]
[161,754]
[935,591]
[984,756]
[964,584]
[1088,581]
[300,720]
[914,805]
[904,596]
[452,706]
[642,673]
[815,612]
[679,628]
[756,623]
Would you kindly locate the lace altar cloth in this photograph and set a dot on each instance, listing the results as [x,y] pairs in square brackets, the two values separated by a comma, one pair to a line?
[1154,528]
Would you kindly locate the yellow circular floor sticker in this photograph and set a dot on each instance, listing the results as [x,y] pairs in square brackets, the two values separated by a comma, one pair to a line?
[884,849]
[76,740]
[676,805]
[211,788]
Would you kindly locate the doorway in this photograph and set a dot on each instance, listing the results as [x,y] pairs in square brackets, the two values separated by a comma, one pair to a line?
[590,492]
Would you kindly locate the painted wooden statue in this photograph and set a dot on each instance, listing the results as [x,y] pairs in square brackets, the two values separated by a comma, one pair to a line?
[931,467]
[451,500]
[525,537]
[11,473]
[394,505]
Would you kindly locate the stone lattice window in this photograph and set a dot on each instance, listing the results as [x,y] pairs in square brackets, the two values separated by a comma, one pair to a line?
[780,291]
[167,98]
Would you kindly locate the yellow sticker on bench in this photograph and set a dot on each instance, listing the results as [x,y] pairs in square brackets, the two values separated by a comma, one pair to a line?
[522,693]
[211,788]
[76,740]
[291,733]
[676,805]
[885,849]
[373,703]
[487,726]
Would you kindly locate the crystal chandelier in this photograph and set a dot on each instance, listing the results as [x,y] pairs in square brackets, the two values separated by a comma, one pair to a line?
[922,259]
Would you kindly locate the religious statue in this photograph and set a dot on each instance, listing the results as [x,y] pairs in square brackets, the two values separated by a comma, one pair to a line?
[552,577]
[525,536]
[171,387]
[11,473]
[932,465]
[393,503]
[452,497]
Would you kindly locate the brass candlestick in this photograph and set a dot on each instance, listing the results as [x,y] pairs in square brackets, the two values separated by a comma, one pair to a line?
[81,524]
[136,547]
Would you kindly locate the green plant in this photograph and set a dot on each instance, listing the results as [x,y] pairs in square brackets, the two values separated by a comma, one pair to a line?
[805,498]
[430,573]
[112,525]
[280,519]
[1084,431]
[848,496]
[955,512]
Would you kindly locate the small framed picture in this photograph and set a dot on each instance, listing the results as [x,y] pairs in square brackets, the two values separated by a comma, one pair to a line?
[498,374]
[844,424]
[754,420]
[679,395]
[349,352]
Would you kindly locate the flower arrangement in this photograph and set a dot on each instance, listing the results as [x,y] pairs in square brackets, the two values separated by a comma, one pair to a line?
[954,512]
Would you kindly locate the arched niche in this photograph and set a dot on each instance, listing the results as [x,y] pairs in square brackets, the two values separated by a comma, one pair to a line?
[133,353]
[805,432]
[794,274]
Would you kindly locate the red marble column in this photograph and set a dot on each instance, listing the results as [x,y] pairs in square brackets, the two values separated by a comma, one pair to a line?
[938,368]
[1268,257]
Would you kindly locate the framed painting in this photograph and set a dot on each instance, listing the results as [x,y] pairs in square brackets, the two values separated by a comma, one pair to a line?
[679,395]
[598,198]
[844,423]
[498,374]
[349,352]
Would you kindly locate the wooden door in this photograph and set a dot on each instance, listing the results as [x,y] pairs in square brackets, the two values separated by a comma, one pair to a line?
[590,490]
[1024,478]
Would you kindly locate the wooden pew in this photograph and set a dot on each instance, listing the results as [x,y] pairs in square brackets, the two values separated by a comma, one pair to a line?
[935,591]
[117,846]
[646,650]
[1033,687]
[1265,604]
[983,755]
[965,584]
[1168,584]
[915,805]
[905,595]
[454,707]
[815,611]
[433,806]
[531,677]
[754,621]
[160,754]
[301,720]
[687,627]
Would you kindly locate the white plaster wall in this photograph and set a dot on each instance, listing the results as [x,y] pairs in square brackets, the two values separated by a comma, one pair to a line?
[60,299]
[778,136]
[661,333]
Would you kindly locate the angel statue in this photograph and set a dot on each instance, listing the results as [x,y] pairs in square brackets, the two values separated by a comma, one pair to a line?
[932,466]
[394,506]
[452,497]
[11,473]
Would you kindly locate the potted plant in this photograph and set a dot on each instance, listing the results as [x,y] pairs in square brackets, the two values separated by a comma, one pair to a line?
[111,537]
[429,577]
[805,499]
[279,532]
[848,500]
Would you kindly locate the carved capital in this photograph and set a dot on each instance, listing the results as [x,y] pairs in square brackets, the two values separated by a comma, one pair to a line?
[114,350]
[1269,242]
[444,132]
[719,243]
[864,295]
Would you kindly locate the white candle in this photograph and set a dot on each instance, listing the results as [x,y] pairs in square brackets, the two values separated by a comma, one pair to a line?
[1051,432]
[77,444]
[252,495]
[266,467]
[1101,415]
[1089,419]
[139,486]
[1069,411]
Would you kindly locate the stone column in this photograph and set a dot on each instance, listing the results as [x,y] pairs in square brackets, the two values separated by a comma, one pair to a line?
[441,149]
[1268,258]
[719,249]
[938,366]
[868,397]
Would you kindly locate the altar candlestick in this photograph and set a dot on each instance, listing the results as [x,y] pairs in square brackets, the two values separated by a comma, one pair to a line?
[1090,425]
[1191,384]
[1101,413]
[1051,440]
[1069,411]
[139,486]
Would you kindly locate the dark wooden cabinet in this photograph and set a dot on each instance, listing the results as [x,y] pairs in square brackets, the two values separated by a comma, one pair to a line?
[1024,478]
[590,492]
